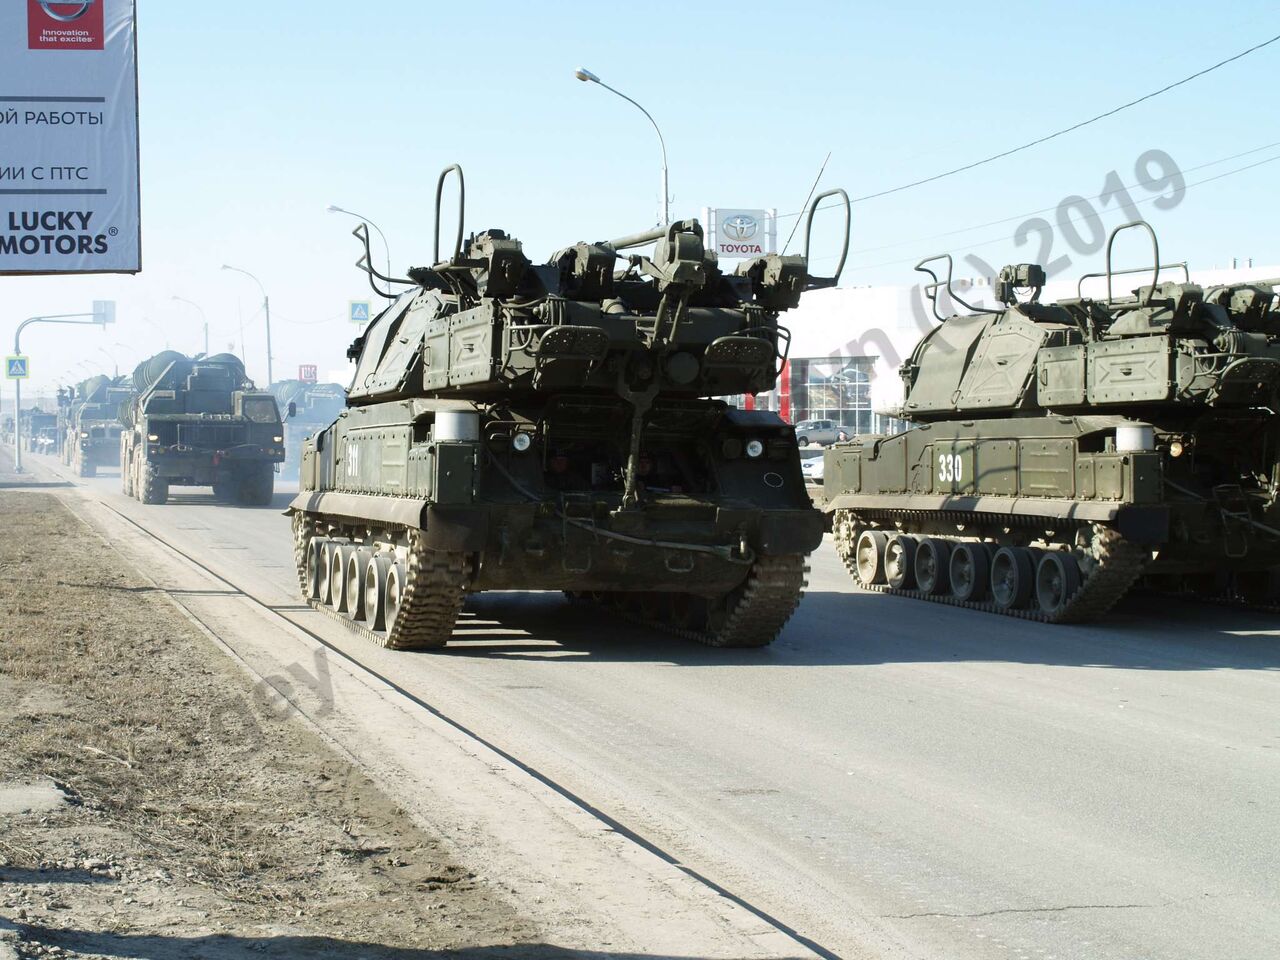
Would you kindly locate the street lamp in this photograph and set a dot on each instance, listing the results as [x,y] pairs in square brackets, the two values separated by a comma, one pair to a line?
[334,208]
[192,303]
[586,76]
[76,318]
[266,309]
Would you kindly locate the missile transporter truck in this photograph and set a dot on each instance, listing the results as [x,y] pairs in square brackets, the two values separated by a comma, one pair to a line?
[92,433]
[199,422]
[306,408]
[1060,451]
[514,426]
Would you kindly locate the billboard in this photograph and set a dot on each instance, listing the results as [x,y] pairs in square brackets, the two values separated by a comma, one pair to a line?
[738,233]
[69,137]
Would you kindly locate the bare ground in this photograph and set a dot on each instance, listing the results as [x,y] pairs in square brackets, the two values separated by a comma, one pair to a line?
[186,816]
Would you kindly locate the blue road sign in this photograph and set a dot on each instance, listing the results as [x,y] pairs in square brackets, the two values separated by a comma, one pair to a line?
[16,368]
[359,311]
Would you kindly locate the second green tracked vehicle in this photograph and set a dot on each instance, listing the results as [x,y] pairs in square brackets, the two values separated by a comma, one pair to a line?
[1061,451]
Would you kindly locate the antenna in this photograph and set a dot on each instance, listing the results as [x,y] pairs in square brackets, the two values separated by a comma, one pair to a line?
[805,205]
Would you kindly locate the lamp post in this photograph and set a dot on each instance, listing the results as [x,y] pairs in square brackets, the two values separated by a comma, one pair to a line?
[334,208]
[192,303]
[266,309]
[17,383]
[586,76]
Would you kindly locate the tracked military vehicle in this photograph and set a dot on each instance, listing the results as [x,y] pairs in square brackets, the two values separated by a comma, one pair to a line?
[1061,451]
[199,422]
[515,426]
[92,424]
[306,407]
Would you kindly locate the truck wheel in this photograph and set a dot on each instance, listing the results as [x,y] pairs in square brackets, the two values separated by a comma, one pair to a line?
[223,490]
[154,488]
[257,487]
[126,478]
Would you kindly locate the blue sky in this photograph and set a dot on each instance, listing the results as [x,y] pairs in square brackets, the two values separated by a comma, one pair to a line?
[256,116]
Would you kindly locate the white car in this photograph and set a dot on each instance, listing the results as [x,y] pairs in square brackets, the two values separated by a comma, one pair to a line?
[811,467]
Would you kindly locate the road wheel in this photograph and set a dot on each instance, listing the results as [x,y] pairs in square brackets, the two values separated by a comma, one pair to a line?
[325,560]
[1012,577]
[357,563]
[803,441]
[153,489]
[340,563]
[933,559]
[1057,580]
[376,572]
[900,562]
[969,570]
[869,557]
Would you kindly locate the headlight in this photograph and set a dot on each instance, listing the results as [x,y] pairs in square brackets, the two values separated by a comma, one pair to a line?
[153,437]
[277,439]
[754,448]
[84,434]
[1176,448]
[521,442]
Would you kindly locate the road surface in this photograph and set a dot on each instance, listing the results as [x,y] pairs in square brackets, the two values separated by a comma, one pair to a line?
[890,778]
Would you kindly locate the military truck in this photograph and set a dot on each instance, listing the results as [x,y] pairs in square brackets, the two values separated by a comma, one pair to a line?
[40,431]
[199,422]
[1061,451]
[516,426]
[91,436]
[307,407]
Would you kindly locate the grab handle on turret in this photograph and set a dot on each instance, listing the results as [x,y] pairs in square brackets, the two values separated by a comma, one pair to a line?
[844,249]
[931,289]
[462,206]
[1155,247]
[1181,265]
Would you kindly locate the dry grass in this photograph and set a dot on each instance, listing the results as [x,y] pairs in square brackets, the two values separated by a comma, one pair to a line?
[118,698]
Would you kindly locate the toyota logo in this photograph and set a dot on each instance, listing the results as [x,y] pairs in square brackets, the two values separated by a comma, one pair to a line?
[82,8]
[740,227]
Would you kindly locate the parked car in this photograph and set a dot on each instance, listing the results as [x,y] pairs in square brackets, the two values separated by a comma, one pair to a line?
[823,432]
[811,467]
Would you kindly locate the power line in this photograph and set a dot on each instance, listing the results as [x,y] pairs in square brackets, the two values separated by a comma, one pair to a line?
[1032,213]
[1058,133]
[1002,239]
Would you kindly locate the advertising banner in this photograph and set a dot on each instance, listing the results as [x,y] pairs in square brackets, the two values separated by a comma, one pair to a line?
[69,137]
[741,234]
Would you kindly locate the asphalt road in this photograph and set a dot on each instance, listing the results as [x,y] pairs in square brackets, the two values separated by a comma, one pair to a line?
[890,778]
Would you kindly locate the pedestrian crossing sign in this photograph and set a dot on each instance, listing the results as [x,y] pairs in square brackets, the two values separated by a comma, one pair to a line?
[359,311]
[16,368]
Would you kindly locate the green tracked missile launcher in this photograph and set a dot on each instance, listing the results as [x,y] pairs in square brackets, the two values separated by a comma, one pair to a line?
[522,426]
[199,422]
[1061,451]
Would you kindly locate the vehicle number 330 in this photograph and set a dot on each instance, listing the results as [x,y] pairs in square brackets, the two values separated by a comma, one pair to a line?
[950,468]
